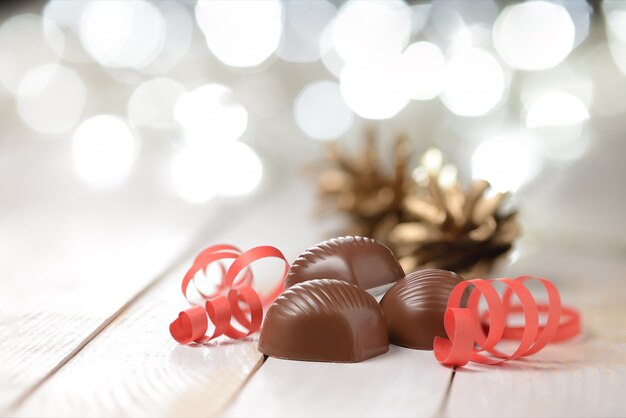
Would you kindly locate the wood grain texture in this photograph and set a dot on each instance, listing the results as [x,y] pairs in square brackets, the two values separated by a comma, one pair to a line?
[135,368]
[47,310]
[70,274]
[585,377]
[72,256]
[402,382]
[582,377]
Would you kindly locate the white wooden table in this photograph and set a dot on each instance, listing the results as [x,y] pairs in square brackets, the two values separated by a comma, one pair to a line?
[85,305]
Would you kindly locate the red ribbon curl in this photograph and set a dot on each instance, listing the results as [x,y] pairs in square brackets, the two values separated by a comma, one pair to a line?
[233,289]
[465,327]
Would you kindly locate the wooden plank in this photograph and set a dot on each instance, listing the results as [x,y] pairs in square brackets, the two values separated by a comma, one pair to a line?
[40,333]
[580,378]
[148,375]
[583,377]
[402,382]
[72,256]
[135,368]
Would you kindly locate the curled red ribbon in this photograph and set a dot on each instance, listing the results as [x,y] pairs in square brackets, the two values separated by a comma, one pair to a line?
[233,289]
[467,337]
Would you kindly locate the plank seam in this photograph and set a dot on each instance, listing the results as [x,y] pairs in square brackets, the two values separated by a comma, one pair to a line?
[442,410]
[236,393]
[29,392]
[188,252]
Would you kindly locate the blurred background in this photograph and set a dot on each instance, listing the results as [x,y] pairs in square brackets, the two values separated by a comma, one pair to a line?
[123,120]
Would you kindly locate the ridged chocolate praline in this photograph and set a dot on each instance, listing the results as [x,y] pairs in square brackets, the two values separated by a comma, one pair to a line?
[357,260]
[324,320]
[414,307]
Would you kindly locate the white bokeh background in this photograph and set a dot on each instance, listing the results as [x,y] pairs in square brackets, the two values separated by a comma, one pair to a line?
[202,101]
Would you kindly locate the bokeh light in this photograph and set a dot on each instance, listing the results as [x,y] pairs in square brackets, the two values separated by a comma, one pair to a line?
[432,160]
[211,113]
[448,175]
[474,82]
[320,111]
[122,34]
[304,25]
[368,30]
[152,103]
[383,54]
[179,26]
[475,36]
[104,150]
[419,17]
[506,162]
[240,169]
[24,45]
[443,22]
[556,109]
[447,17]
[66,14]
[556,120]
[580,13]
[51,98]
[534,35]
[616,32]
[376,90]
[424,64]
[330,58]
[193,176]
[241,33]
[199,173]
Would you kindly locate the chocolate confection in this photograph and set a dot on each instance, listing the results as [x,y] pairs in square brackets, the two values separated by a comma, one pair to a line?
[324,320]
[414,307]
[357,260]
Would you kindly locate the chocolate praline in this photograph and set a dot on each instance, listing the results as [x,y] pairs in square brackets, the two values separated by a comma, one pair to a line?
[415,306]
[324,320]
[358,260]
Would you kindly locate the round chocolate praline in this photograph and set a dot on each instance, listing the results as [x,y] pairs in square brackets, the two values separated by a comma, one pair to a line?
[415,306]
[324,320]
[358,260]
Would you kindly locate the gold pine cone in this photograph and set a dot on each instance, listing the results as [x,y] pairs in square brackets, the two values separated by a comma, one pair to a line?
[424,216]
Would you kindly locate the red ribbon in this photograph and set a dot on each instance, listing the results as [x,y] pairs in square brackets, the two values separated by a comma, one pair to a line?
[233,289]
[467,337]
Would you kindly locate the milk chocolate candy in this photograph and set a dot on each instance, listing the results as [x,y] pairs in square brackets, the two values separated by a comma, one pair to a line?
[414,307]
[324,320]
[357,260]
